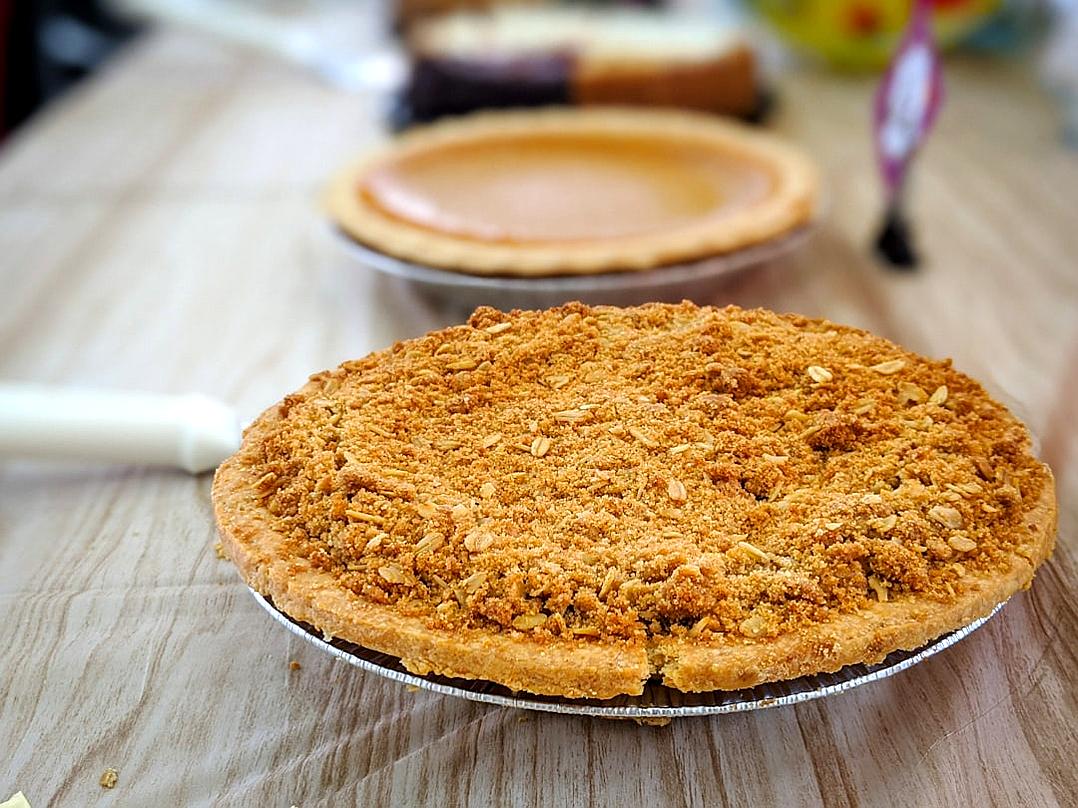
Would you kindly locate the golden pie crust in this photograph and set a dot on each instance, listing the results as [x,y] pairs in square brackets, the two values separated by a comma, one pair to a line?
[571,502]
[573,191]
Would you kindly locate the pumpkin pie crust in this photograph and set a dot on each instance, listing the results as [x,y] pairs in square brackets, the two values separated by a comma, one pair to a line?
[575,501]
[570,191]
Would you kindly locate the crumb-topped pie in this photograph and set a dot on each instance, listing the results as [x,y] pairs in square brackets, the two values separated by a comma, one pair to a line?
[573,191]
[570,502]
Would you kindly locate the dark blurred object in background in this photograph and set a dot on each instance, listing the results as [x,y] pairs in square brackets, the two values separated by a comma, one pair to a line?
[48,45]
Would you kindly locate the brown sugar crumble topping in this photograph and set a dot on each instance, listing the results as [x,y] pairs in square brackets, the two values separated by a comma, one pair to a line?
[660,471]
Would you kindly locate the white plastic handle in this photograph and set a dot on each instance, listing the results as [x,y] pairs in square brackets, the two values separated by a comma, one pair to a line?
[193,432]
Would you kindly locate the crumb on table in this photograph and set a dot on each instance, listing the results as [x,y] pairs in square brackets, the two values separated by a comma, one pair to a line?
[657,721]
[294,665]
[109,778]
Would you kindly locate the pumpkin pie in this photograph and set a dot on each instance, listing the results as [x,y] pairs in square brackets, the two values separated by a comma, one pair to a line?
[564,191]
[573,501]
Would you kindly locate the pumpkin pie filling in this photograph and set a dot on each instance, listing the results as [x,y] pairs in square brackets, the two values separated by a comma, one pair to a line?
[553,188]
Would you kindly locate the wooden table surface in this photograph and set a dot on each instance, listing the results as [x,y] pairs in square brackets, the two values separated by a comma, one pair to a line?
[158,230]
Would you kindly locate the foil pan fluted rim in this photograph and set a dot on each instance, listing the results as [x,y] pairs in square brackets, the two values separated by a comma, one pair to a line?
[657,701]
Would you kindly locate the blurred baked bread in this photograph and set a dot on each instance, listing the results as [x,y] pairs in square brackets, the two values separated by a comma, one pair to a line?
[522,56]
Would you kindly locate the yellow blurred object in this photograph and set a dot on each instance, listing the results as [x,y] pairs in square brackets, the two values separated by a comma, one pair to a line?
[16,800]
[862,34]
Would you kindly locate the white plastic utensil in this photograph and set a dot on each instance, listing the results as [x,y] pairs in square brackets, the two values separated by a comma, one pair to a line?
[192,432]
[357,64]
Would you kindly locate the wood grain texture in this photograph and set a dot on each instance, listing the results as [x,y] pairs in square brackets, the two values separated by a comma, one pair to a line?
[158,230]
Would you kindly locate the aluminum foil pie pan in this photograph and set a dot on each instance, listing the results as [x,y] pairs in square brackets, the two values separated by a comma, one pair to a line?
[656,704]
[696,280]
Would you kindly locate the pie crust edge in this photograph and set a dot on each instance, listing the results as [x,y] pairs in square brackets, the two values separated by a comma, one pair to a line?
[792,204]
[870,634]
[596,670]
[313,596]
